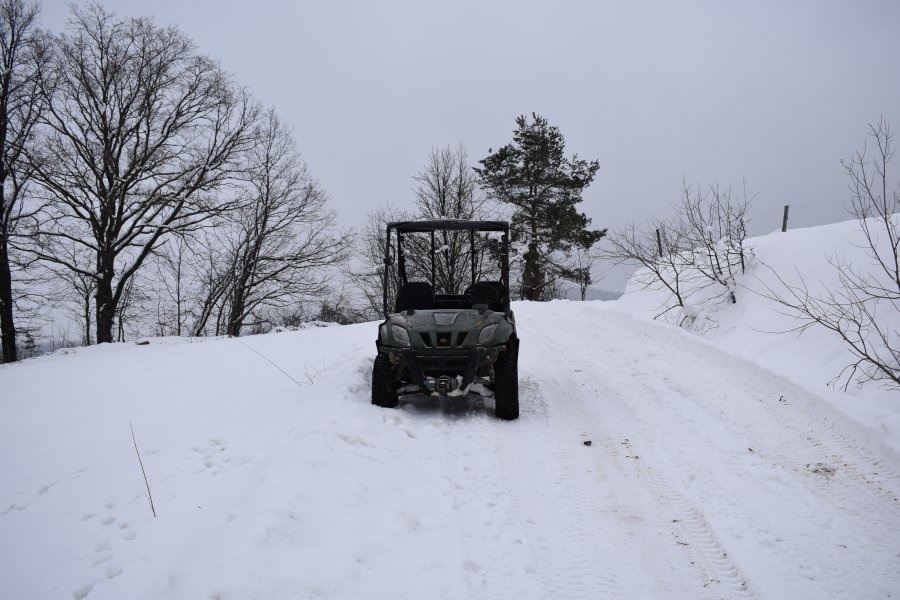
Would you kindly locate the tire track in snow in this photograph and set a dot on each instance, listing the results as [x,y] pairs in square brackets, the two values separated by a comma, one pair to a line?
[586,506]
[693,532]
[490,538]
[800,447]
[577,564]
[823,477]
[735,443]
[669,518]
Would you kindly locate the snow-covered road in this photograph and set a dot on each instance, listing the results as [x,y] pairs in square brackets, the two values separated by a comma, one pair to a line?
[706,476]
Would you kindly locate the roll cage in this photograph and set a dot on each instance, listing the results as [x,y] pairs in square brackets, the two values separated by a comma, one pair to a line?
[398,230]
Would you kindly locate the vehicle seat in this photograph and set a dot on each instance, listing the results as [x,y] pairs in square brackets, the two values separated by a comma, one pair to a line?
[500,305]
[416,295]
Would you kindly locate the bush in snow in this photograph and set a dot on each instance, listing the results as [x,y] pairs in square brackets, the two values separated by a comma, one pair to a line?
[697,256]
[863,309]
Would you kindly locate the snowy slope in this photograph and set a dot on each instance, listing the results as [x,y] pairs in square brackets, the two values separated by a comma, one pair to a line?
[757,329]
[708,476]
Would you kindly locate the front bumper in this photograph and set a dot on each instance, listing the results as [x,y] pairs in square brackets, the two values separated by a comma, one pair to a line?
[435,362]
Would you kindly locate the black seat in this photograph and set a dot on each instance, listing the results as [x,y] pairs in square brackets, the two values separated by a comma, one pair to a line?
[416,295]
[493,292]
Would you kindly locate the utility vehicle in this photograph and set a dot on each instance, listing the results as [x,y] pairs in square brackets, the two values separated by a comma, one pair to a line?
[438,339]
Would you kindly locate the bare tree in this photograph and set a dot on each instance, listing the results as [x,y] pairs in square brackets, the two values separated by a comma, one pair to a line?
[716,226]
[875,206]
[579,266]
[663,251]
[174,285]
[446,190]
[84,288]
[862,310]
[132,309]
[213,274]
[697,256]
[22,58]
[142,134]
[370,273]
[282,241]
[74,290]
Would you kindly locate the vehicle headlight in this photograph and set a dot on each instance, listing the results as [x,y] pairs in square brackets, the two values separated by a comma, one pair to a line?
[401,336]
[486,334]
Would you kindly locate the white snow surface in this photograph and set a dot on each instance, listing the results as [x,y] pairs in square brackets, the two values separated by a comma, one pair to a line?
[757,329]
[712,471]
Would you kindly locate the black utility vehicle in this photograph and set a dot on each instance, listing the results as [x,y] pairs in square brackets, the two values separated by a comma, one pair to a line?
[453,342]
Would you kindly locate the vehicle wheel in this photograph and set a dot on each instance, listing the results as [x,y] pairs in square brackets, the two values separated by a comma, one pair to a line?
[384,384]
[506,386]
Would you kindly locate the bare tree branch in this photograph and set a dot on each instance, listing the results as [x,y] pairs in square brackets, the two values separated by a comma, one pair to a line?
[142,134]
[862,309]
[23,57]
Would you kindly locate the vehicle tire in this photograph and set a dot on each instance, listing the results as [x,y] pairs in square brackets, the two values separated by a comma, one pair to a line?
[506,386]
[384,384]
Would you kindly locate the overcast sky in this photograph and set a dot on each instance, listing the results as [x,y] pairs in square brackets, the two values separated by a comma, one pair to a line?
[772,92]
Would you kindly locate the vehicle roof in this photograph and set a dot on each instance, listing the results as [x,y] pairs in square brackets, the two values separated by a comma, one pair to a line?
[445,224]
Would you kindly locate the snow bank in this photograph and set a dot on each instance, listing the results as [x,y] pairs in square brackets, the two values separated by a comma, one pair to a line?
[757,328]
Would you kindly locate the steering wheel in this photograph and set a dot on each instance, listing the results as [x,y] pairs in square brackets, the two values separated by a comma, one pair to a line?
[482,291]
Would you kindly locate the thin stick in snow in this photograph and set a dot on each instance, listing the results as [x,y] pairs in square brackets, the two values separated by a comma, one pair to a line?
[141,462]
[268,360]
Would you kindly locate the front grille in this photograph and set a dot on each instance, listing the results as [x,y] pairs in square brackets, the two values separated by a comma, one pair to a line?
[443,339]
[445,365]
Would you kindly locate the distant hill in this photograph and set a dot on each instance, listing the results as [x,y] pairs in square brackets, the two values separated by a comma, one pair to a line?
[573,293]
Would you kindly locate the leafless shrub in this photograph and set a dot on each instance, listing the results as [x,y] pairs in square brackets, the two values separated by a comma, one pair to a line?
[662,250]
[696,256]
[715,227]
[863,308]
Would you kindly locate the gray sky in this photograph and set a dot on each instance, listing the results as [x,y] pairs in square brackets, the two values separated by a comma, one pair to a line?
[771,92]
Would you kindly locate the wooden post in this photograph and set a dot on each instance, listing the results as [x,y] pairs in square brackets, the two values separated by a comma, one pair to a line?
[784,222]
[659,243]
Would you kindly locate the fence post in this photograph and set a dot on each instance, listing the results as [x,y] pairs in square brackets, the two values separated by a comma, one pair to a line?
[784,222]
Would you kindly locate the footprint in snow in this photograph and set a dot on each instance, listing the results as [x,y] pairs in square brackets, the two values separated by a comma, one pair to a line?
[17,507]
[112,571]
[354,440]
[101,559]
[82,591]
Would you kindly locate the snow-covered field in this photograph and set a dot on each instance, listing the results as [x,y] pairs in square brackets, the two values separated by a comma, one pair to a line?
[717,468]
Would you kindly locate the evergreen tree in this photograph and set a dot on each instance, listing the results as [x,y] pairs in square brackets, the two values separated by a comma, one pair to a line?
[543,187]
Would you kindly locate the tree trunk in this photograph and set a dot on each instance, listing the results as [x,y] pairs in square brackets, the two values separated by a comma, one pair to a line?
[236,314]
[87,319]
[235,323]
[7,326]
[531,276]
[104,299]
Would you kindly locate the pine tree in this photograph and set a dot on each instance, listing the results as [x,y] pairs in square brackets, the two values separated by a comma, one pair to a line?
[544,187]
